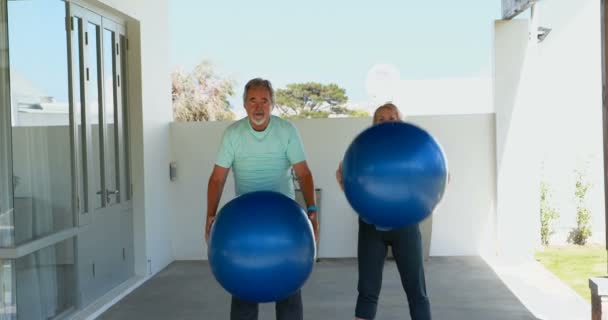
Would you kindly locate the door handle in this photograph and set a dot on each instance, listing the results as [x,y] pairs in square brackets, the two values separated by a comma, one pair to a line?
[111,192]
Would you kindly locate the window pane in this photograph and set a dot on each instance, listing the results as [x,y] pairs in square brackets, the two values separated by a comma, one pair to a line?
[125,167]
[110,103]
[79,112]
[40,118]
[8,293]
[6,172]
[46,282]
[94,58]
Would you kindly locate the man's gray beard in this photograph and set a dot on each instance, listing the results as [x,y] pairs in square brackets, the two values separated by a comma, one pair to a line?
[257,122]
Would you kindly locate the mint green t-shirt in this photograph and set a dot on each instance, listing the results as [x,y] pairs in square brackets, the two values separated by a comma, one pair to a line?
[261,161]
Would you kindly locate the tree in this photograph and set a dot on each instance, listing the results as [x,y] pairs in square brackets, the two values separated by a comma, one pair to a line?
[201,95]
[313,100]
[582,232]
[548,214]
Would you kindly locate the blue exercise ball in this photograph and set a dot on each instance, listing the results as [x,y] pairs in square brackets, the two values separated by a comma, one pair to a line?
[262,247]
[394,174]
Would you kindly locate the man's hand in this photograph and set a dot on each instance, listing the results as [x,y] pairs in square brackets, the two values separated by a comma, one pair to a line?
[215,188]
[312,215]
[308,190]
[208,226]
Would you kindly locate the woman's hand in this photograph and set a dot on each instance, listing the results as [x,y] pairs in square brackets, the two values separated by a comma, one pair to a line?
[339,176]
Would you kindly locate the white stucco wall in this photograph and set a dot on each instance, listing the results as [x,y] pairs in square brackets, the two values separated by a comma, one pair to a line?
[462,225]
[517,159]
[570,90]
[549,123]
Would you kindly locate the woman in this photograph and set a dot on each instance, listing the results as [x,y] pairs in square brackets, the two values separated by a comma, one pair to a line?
[373,244]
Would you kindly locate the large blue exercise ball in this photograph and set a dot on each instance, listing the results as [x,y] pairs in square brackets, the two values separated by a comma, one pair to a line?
[394,174]
[262,247]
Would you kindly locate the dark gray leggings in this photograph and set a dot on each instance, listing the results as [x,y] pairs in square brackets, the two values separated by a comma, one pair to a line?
[289,308]
[407,250]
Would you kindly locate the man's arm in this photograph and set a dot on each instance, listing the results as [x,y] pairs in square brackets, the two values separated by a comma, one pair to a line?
[215,188]
[308,189]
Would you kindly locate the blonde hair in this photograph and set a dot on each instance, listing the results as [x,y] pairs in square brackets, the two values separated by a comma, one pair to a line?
[388,105]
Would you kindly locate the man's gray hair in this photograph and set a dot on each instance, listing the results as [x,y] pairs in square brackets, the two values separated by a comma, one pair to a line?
[259,83]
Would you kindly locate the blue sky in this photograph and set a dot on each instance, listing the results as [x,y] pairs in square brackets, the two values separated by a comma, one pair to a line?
[333,41]
[39,27]
[325,41]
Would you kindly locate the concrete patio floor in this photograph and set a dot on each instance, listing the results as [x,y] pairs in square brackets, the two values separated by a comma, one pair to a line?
[459,288]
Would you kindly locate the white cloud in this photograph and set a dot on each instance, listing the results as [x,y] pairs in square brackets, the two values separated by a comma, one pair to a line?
[429,96]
